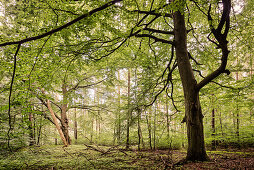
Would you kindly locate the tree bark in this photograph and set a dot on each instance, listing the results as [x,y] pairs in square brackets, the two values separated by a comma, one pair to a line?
[39,130]
[194,118]
[128,113]
[56,123]
[237,112]
[213,131]
[118,132]
[31,132]
[154,126]
[168,123]
[140,139]
[64,119]
[75,126]
[148,121]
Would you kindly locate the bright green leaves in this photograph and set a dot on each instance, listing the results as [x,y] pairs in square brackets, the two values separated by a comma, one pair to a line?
[178,5]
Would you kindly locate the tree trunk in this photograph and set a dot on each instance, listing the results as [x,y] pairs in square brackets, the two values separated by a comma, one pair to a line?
[118,113]
[237,112]
[154,126]
[75,126]
[56,123]
[167,118]
[39,131]
[128,113]
[149,130]
[31,132]
[221,127]
[64,119]
[193,115]
[213,131]
[140,140]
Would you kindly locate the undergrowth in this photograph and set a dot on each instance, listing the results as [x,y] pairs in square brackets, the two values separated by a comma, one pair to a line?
[116,157]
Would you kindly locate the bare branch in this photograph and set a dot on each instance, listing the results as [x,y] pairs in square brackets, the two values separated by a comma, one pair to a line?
[190,56]
[222,43]
[155,38]
[159,31]
[89,85]
[153,13]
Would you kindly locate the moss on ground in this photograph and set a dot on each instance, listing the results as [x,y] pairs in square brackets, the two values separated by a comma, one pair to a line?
[102,157]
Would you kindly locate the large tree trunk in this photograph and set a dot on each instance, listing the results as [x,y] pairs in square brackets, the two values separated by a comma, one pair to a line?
[193,115]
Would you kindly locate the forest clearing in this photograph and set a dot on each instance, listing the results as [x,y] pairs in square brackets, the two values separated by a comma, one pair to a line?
[126,84]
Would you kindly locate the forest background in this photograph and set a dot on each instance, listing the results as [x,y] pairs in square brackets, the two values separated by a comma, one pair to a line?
[106,73]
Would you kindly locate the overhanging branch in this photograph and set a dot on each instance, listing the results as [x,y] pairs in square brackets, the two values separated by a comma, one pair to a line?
[63,26]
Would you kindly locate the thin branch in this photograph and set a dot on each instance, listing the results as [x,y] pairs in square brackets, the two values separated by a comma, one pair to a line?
[36,58]
[155,38]
[198,7]
[159,31]
[165,85]
[190,56]
[171,94]
[89,85]
[153,13]
[12,80]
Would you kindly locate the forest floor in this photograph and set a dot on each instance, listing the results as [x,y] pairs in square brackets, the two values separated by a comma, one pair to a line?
[102,157]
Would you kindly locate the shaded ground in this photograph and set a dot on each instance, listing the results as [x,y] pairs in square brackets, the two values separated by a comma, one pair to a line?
[101,157]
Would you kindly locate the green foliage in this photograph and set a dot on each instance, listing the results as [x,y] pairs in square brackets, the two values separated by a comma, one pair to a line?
[91,50]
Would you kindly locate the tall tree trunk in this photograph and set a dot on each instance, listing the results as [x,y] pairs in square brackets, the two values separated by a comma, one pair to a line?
[64,119]
[75,126]
[154,126]
[221,127]
[193,115]
[167,119]
[39,130]
[98,119]
[128,113]
[213,131]
[148,121]
[92,127]
[118,113]
[31,132]
[237,111]
[139,130]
